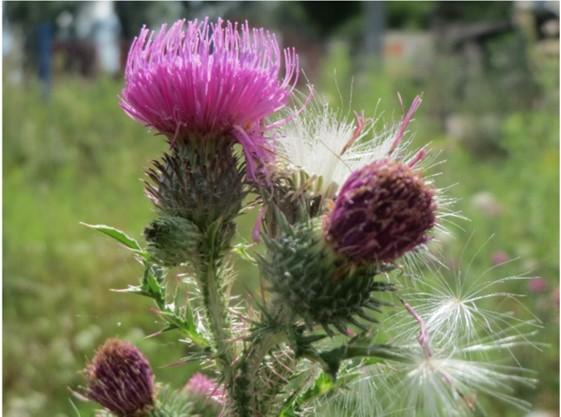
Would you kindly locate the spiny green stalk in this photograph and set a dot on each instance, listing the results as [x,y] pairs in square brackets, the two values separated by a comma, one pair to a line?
[249,390]
[198,188]
[278,374]
[210,282]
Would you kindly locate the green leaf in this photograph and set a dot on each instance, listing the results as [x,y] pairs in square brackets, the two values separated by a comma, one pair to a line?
[132,289]
[152,283]
[119,236]
[188,328]
[323,384]
[242,250]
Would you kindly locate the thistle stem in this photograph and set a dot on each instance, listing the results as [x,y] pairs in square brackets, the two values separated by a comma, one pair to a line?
[216,309]
[250,389]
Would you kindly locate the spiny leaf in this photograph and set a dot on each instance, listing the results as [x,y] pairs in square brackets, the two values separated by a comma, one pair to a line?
[119,236]
[242,250]
[132,289]
[186,326]
[322,385]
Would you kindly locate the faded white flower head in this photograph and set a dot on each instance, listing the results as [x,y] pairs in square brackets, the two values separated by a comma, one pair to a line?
[328,145]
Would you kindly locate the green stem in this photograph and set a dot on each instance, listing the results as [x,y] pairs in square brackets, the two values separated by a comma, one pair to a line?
[250,391]
[216,311]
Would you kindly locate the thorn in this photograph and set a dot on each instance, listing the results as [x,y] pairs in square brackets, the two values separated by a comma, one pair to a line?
[419,156]
[362,313]
[356,323]
[404,123]
[423,337]
[329,331]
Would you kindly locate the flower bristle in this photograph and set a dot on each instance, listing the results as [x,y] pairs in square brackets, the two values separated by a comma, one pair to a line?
[383,211]
[120,379]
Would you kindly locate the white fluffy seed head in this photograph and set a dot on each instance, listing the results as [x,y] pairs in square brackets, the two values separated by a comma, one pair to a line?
[467,354]
[328,145]
[452,380]
[461,306]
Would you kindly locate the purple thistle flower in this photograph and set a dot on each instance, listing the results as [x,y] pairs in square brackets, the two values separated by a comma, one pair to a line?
[382,211]
[120,379]
[537,285]
[203,386]
[499,257]
[207,80]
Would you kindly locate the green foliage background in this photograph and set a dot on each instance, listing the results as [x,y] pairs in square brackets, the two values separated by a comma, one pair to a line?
[79,158]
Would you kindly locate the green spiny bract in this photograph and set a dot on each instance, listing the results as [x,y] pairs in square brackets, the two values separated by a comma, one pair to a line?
[172,240]
[316,284]
[199,181]
[170,403]
[295,195]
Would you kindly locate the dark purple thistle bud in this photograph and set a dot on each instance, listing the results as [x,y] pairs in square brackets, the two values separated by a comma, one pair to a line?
[120,379]
[382,211]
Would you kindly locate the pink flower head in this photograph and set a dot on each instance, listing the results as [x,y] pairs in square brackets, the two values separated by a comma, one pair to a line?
[209,79]
[203,386]
[499,257]
[537,285]
[120,379]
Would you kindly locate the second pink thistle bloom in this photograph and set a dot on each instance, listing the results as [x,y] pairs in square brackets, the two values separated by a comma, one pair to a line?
[202,80]
[537,285]
[207,388]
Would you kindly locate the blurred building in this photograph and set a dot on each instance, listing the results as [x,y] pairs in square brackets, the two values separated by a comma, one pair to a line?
[97,23]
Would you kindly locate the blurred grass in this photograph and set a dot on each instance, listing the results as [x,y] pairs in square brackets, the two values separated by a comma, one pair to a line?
[75,158]
[79,158]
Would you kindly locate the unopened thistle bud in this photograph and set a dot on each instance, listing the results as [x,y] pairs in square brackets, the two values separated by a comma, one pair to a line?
[316,284]
[172,240]
[382,211]
[200,184]
[121,380]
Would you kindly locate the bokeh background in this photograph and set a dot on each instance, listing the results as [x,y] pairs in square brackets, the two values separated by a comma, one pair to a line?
[489,75]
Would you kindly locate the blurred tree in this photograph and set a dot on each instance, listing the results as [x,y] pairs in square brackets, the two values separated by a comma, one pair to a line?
[469,11]
[409,14]
[30,13]
[326,17]
[30,16]
[135,14]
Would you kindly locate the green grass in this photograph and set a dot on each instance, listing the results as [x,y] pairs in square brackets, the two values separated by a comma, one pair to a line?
[79,158]
[75,158]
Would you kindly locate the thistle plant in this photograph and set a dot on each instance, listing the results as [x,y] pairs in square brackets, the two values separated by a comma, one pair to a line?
[345,324]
